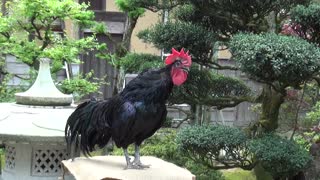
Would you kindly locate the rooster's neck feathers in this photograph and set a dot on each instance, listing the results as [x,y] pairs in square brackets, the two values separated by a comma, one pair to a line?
[149,86]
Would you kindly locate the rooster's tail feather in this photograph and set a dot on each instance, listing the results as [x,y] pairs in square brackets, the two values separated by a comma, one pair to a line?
[89,126]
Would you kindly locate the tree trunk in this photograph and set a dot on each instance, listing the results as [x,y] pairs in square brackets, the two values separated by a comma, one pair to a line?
[271,102]
[198,116]
[207,114]
[131,24]
[122,49]
[193,110]
[261,173]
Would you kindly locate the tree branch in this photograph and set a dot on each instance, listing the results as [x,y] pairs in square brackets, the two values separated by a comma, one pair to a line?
[15,75]
[180,109]
[47,39]
[188,113]
[24,28]
[217,66]
[317,79]
[161,7]
[6,35]
[297,112]
[33,18]
[224,102]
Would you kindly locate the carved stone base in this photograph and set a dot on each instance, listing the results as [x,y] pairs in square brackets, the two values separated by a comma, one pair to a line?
[34,161]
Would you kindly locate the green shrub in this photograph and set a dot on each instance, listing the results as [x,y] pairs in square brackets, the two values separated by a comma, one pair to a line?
[313,117]
[306,139]
[81,85]
[167,123]
[135,63]
[311,121]
[279,156]
[204,144]
[203,172]
[6,92]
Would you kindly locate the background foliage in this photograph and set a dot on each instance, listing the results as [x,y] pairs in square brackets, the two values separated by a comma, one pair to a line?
[6,93]
[229,17]
[37,19]
[135,63]
[209,88]
[81,85]
[305,20]
[33,30]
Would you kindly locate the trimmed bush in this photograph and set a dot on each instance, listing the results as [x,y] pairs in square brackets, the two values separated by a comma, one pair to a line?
[218,147]
[279,156]
[179,35]
[269,58]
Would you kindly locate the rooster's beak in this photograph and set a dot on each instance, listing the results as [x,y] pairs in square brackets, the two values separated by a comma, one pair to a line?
[186,69]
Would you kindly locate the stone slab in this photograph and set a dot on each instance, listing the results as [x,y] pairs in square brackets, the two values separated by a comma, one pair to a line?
[43,100]
[112,167]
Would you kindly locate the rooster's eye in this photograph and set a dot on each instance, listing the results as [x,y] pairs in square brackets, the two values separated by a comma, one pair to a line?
[178,62]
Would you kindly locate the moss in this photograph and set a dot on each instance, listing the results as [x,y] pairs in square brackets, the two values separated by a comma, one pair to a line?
[2,160]
[238,174]
[261,174]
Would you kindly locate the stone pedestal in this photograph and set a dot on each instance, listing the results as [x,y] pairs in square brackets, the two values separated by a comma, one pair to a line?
[112,167]
[34,141]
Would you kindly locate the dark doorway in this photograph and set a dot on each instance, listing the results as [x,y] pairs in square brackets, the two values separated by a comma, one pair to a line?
[100,67]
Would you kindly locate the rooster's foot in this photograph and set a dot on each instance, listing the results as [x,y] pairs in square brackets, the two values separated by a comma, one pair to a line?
[133,166]
[138,163]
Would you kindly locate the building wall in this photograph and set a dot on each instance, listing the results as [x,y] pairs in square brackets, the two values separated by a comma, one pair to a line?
[71,29]
[111,6]
[224,54]
[137,45]
[146,21]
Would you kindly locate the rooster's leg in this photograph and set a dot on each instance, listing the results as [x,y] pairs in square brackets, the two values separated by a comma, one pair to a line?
[130,165]
[126,155]
[136,160]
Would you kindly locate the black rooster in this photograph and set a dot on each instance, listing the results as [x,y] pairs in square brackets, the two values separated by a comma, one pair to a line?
[131,116]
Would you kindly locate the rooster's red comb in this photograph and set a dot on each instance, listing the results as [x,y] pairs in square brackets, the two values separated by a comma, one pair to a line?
[184,56]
